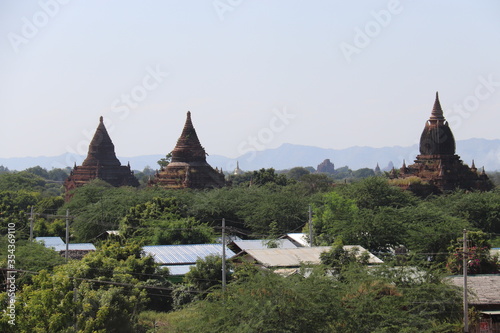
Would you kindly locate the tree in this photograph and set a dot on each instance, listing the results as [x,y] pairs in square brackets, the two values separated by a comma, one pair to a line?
[363,173]
[161,221]
[480,260]
[39,171]
[376,192]
[297,173]
[163,162]
[331,216]
[207,273]
[378,300]
[104,292]
[316,183]
[21,181]
[265,176]
[338,259]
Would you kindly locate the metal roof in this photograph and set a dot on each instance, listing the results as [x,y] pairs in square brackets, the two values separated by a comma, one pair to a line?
[300,255]
[76,247]
[483,289]
[299,238]
[263,244]
[288,257]
[58,244]
[178,269]
[184,254]
[50,241]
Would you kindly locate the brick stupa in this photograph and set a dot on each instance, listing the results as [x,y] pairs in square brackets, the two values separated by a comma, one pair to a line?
[188,167]
[101,163]
[437,166]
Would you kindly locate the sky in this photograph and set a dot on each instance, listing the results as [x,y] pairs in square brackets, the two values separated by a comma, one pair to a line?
[254,74]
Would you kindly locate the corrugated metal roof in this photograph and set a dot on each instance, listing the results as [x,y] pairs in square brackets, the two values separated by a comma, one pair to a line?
[298,256]
[263,244]
[484,289]
[371,258]
[184,254]
[299,237]
[50,241]
[288,257]
[178,269]
[76,247]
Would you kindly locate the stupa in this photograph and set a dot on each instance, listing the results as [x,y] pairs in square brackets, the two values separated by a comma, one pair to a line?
[101,163]
[438,168]
[188,167]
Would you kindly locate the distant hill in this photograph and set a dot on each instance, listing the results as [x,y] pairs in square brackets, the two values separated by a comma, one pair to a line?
[484,152]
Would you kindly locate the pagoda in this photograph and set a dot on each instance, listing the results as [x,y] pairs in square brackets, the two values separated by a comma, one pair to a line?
[188,167]
[101,163]
[438,168]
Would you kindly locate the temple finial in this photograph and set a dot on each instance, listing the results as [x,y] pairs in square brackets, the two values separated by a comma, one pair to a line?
[437,111]
[101,119]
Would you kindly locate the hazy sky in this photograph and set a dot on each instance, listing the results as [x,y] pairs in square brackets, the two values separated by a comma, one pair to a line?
[254,74]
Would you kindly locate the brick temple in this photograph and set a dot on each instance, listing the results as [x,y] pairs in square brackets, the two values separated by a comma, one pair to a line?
[101,163]
[437,166]
[188,167]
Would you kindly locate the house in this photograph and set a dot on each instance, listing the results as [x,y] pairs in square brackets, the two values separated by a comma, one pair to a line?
[75,250]
[180,258]
[289,260]
[484,296]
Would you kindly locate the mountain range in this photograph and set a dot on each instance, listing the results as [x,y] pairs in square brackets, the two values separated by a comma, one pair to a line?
[484,153]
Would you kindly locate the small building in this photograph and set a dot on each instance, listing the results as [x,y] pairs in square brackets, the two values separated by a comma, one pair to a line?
[289,260]
[180,258]
[75,250]
[484,296]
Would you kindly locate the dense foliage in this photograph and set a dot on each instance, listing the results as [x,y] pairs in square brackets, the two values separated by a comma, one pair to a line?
[107,290]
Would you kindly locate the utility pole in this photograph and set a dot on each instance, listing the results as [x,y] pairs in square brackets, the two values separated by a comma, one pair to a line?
[67,234]
[31,224]
[223,255]
[465,258]
[310,227]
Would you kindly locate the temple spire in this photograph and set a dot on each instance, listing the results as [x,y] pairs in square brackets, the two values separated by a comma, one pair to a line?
[188,147]
[437,111]
[101,148]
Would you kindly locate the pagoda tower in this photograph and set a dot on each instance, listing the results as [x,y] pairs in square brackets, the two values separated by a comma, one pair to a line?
[188,167]
[437,166]
[101,163]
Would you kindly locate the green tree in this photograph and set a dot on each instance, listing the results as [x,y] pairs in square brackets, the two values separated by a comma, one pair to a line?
[104,292]
[266,176]
[163,162]
[207,273]
[39,171]
[297,173]
[21,181]
[376,192]
[480,260]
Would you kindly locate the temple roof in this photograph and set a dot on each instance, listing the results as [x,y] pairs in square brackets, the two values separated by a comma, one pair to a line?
[188,147]
[101,148]
[437,111]
[437,138]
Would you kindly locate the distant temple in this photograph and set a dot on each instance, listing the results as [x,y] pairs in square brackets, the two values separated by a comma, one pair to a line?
[189,167]
[101,163]
[437,168]
[326,167]
[237,171]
